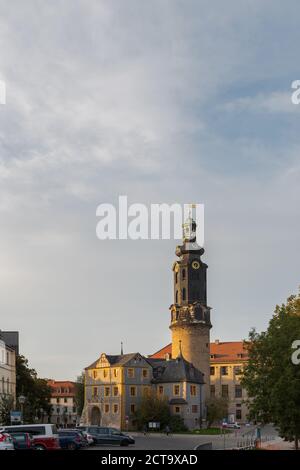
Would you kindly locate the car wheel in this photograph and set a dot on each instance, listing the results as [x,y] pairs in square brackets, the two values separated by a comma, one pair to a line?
[71,446]
[39,447]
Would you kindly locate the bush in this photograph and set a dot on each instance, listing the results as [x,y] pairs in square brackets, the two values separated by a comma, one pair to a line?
[176,424]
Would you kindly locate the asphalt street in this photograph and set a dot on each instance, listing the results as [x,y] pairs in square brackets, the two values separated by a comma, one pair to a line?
[191,441]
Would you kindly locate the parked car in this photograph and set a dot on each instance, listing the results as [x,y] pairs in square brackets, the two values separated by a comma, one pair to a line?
[22,440]
[71,439]
[6,442]
[44,436]
[108,436]
[231,425]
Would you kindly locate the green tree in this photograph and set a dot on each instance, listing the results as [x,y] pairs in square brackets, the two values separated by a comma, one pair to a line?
[79,394]
[217,410]
[272,378]
[6,406]
[176,424]
[36,391]
[153,408]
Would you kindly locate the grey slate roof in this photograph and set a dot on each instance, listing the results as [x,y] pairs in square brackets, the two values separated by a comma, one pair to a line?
[116,360]
[164,371]
[178,401]
[175,370]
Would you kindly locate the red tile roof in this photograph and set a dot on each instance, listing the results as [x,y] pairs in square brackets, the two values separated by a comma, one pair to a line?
[58,388]
[228,351]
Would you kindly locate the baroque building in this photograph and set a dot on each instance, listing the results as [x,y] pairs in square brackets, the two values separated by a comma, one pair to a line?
[7,368]
[227,361]
[116,384]
[63,401]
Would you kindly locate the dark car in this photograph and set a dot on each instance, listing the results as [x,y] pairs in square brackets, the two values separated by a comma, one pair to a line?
[71,439]
[108,436]
[22,440]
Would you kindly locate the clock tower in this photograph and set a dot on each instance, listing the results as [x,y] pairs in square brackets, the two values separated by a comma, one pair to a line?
[190,315]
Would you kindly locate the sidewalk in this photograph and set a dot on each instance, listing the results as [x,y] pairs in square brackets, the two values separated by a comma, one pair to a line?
[278,444]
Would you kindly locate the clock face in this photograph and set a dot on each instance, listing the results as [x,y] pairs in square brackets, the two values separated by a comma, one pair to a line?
[195,265]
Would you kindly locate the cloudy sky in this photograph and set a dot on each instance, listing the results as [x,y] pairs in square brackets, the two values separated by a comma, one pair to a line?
[162,101]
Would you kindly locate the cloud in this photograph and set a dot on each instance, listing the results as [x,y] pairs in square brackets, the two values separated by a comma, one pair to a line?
[164,102]
[275,102]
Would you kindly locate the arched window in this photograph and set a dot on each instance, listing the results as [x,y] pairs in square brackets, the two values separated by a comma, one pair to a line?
[184,294]
[183,274]
[176,277]
[176,297]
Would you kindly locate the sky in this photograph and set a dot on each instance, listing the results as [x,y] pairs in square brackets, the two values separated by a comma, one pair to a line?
[162,101]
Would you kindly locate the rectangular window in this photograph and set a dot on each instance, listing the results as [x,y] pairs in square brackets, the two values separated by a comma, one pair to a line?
[104,373]
[224,370]
[94,374]
[130,373]
[225,391]
[212,391]
[194,408]
[238,391]
[116,391]
[193,390]
[116,408]
[115,372]
[177,409]
[95,391]
[65,400]
[212,371]
[238,414]
[161,390]
[146,391]
[106,391]
[57,399]
[132,408]
[237,370]
[106,408]
[145,373]
[176,390]
[132,391]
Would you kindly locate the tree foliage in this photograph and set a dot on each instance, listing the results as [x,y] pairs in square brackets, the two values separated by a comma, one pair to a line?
[153,408]
[6,406]
[216,409]
[79,394]
[35,390]
[271,378]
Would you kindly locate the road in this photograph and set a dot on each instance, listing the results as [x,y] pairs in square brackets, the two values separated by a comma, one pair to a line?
[190,441]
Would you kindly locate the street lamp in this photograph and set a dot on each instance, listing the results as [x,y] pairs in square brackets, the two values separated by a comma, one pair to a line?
[22,400]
